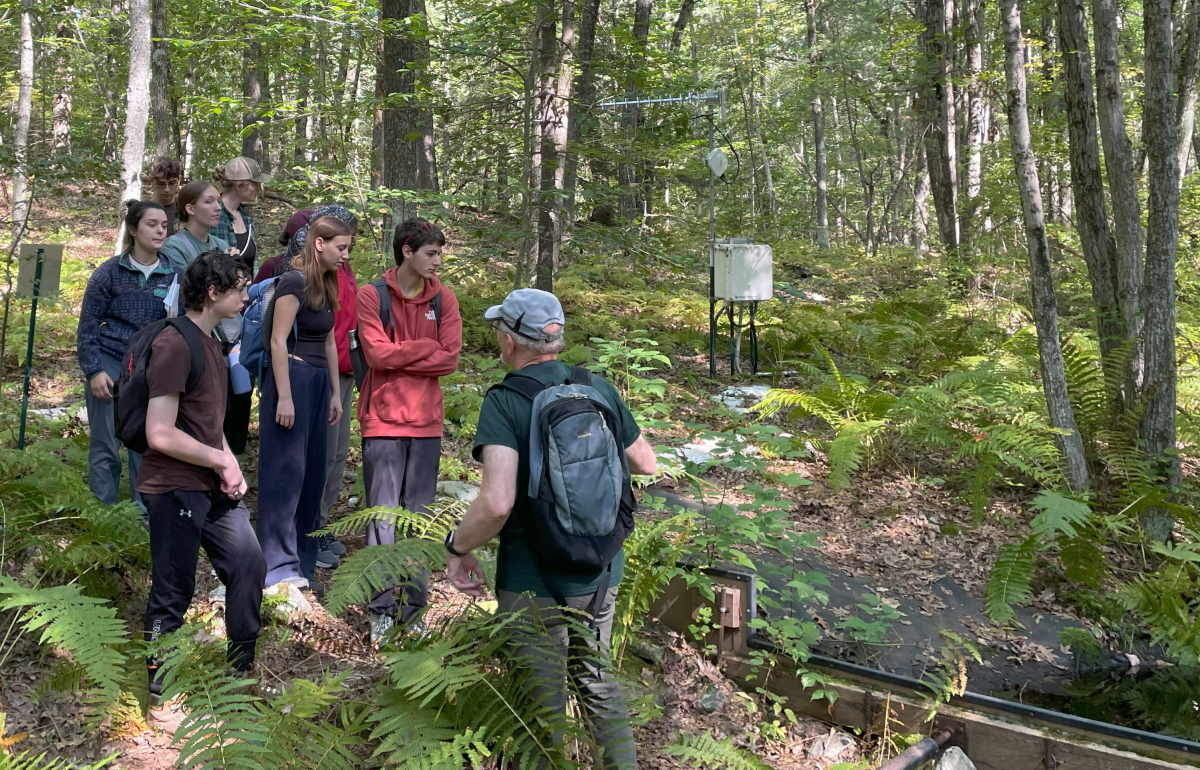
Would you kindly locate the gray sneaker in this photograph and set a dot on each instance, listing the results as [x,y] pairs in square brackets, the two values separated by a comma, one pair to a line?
[326,558]
[336,546]
[380,626]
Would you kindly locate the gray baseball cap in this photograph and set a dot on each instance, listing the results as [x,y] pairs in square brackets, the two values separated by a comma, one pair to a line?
[528,312]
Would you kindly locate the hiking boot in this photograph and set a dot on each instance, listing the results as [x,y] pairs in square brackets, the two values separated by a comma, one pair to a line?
[335,546]
[380,626]
[317,589]
[165,716]
[326,558]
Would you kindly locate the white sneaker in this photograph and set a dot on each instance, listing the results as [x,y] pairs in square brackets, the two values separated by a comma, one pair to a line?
[380,626]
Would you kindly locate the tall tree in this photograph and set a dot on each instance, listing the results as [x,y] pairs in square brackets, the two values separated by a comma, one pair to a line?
[820,161]
[583,92]
[160,69]
[627,169]
[61,120]
[1162,204]
[252,80]
[1045,308]
[137,103]
[937,107]
[408,144]
[1087,185]
[1189,83]
[20,191]
[976,115]
[1122,188]
[553,134]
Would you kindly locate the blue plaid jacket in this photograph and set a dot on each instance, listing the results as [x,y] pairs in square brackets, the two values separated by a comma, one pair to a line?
[119,301]
[224,228]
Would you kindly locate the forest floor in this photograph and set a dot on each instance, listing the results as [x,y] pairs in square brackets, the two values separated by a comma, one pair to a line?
[896,525]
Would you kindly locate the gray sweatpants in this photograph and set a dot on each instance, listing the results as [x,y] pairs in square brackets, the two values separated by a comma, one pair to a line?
[104,448]
[399,473]
[564,652]
[337,446]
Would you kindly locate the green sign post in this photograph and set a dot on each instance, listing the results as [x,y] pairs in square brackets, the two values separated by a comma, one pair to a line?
[37,263]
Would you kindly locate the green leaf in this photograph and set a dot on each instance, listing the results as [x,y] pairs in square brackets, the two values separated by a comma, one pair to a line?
[1011,579]
[1059,515]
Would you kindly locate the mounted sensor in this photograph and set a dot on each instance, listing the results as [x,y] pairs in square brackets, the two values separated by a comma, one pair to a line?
[717,162]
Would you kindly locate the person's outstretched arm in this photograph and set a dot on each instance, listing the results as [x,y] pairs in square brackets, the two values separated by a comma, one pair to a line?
[484,518]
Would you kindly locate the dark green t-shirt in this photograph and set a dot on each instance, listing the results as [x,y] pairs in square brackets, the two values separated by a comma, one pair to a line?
[504,420]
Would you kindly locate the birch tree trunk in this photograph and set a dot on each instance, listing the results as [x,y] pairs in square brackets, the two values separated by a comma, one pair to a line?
[137,105]
[583,91]
[1122,188]
[61,121]
[1189,80]
[1087,185]
[159,76]
[1045,309]
[20,190]
[820,161]
[1162,203]
[976,116]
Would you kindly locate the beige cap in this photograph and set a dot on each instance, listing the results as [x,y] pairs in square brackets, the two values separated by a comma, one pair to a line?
[243,169]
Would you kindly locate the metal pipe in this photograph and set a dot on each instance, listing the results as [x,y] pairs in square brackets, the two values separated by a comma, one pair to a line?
[915,756]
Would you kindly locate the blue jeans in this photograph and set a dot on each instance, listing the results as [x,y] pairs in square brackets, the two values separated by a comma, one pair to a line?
[104,448]
[291,471]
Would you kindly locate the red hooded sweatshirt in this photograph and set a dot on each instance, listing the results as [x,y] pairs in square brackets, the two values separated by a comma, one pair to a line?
[401,396]
[345,317]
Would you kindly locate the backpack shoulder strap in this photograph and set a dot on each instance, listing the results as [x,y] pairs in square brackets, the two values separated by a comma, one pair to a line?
[436,304]
[580,376]
[191,248]
[191,335]
[521,384]
[385,303]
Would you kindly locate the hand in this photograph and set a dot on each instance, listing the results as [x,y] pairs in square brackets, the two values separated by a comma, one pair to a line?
[335,408]
[101,385]
[466,574]
[285,413]
[233,484]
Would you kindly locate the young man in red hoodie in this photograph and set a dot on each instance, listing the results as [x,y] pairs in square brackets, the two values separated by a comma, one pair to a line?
[400,407]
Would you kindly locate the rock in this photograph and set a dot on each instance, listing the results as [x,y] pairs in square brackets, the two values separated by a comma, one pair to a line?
[705,449]
[217,595]
[291,602]
[740,399]
[648,651]
[459,490]
[710,700]
[954,759]
[352,502]
[663,696]
[832,747]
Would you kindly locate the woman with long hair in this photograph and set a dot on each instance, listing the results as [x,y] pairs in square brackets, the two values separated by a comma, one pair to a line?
[199,209]
[300,398]
[125,294]
[241,182]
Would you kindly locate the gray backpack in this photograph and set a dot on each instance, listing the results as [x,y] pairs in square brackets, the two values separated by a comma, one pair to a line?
[581,500]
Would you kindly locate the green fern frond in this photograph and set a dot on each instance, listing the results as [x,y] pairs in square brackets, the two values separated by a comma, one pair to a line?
[85,627]
[27,761]
[704,751]
[377,567]
[1059,515]
[441,517]
[848,449]
[1011,579]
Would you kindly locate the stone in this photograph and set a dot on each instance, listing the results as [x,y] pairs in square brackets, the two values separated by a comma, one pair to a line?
[740,399]
[704,450]
[648,651]
[459,490]
[710,700]
[832,747]
[217,595]
[352,502]
[954,759]
[291,602]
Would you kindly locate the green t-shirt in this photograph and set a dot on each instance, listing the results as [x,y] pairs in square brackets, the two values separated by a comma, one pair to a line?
[182,248]
[504,420]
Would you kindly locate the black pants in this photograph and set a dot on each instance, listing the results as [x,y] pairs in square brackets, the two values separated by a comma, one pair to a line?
[237,420]
[180,523]
[399,473]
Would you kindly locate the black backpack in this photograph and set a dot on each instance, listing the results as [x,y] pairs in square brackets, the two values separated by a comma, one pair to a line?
[358,361]
[132,392]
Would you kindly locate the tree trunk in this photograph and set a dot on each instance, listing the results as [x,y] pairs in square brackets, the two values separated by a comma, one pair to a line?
[920,231]
[583,91]
[1122,188]
[109,147]
[938,110]
[408,155]
[627,169]
[377,128]
[681,23]
[188,135]
[61,121]
[1189,80]
[1162,203]
[1045,309]
[820,162]
[1087,186]
[252,144]
[160,63]
[976,117]
[553,135]
[303,94]
[137,103]
[20,192]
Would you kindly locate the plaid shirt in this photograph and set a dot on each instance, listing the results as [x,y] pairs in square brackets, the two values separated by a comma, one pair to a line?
[119,301]
[224,228]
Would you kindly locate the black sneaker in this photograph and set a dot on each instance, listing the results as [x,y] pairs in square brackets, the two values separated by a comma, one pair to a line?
[326,558]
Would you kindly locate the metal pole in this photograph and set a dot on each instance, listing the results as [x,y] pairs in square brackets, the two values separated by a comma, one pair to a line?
[712,256]
[37,285]
[915,756]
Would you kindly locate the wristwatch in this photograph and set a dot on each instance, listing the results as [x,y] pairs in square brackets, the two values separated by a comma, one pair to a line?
[450,544]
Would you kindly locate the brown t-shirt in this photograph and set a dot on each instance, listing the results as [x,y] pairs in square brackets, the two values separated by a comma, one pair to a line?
[202,408]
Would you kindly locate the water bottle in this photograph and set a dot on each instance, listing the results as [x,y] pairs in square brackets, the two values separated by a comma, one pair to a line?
[353,335]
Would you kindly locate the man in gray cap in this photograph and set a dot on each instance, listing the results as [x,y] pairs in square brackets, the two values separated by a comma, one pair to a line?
[529,331]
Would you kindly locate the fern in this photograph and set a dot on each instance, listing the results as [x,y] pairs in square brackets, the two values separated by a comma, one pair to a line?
[27,761]
[1010,582]
[848,449]
[377,567]
[1059,515]
[704,751]
[651,555]
[87,628]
